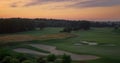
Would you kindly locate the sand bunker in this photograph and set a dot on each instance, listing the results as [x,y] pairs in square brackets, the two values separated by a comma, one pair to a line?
[93,43]
[53,50]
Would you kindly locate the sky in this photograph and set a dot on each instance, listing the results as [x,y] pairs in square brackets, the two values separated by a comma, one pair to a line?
[61,9]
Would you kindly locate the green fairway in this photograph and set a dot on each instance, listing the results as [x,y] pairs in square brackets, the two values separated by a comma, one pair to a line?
[99,35]
[42,32]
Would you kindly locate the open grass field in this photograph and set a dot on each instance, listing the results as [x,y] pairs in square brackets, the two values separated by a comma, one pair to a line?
[108,54]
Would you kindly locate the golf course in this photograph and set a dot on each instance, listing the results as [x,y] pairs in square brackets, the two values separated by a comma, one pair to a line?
[97,45]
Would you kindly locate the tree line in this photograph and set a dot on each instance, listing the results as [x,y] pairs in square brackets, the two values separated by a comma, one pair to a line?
[12,25]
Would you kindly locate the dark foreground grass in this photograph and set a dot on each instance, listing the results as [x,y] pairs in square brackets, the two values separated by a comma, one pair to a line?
[104,60]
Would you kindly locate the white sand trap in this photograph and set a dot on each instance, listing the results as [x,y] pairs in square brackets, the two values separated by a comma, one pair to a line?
[53,50]
[23,50]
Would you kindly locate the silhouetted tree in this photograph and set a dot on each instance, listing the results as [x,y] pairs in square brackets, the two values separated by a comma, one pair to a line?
[67,29]
[41,60]
[51,57]
[42,25]
[116,27]
[66,58]
[16,25]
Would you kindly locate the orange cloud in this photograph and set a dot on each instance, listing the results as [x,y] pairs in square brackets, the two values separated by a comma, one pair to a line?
[15,8]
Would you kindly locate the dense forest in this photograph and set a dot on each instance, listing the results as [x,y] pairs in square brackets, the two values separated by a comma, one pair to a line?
[12,25]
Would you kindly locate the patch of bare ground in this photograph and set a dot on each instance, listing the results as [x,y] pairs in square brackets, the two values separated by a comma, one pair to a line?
[18,38]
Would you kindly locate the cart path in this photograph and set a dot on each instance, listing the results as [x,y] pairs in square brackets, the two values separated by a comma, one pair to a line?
[29,51]
[53,50]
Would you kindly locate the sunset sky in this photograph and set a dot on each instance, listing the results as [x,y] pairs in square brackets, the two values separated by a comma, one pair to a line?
[61,9]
